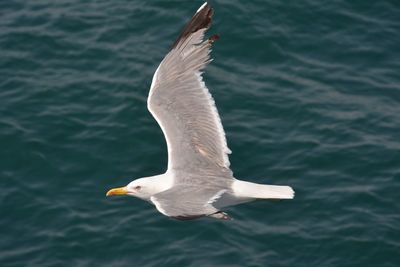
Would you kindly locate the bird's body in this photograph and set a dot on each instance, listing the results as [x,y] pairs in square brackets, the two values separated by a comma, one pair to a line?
[198,181]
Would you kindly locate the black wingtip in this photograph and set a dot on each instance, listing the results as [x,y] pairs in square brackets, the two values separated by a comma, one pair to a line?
[213,38]
[201,20]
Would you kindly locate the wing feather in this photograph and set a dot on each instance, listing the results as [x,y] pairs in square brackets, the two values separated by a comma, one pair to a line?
[182,105]
[186,201]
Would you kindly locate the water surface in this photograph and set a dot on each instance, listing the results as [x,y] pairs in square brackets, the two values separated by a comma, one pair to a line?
[309,95]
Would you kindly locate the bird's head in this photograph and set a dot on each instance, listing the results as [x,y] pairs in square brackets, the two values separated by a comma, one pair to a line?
[141,188]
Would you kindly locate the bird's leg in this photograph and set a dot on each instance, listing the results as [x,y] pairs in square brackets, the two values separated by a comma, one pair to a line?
[220,215]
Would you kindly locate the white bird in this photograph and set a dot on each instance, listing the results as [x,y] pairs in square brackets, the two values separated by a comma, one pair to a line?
[198,181]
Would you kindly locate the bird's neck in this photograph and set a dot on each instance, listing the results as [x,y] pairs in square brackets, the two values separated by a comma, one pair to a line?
[159,183]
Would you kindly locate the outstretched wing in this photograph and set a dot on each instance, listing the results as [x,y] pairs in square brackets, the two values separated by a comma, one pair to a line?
[186,202]
[182,105]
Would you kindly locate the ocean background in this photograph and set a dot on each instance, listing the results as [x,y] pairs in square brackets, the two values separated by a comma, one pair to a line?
[309,96]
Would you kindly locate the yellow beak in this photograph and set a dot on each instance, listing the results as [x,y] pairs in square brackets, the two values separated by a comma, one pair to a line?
[117,191]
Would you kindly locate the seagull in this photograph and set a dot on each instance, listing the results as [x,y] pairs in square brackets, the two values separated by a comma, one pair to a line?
[198,181]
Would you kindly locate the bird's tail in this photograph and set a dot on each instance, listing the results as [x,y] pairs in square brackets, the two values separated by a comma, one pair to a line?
[245,189]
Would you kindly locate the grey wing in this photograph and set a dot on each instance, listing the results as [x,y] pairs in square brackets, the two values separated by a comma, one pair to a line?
[187,202]
[183,106]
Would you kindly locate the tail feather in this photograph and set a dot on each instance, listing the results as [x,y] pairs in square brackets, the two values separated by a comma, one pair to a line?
[245,189]
[277,191]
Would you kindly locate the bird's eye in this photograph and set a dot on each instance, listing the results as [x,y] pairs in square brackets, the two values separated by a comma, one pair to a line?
[138,187]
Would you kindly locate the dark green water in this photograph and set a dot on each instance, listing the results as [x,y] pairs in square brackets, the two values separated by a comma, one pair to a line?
[309,95]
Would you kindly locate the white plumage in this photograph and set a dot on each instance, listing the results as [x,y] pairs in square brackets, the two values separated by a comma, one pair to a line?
[198,181]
